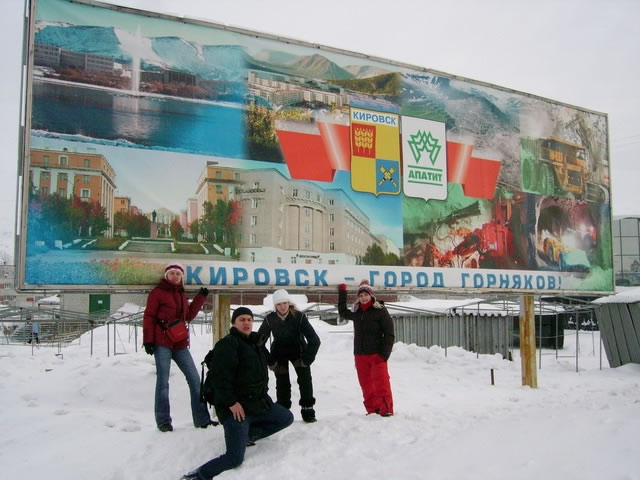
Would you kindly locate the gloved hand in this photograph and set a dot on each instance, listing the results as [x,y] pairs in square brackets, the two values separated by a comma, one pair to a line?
[299,363]
[203,291]
[342,286]
[148,347]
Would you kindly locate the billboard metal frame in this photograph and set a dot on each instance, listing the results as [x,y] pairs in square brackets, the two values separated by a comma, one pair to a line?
[24,149]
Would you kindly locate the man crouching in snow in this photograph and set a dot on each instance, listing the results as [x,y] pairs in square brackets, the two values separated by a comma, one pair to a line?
[243,406]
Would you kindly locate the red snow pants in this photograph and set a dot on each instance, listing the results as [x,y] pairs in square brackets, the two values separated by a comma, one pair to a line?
[373,376]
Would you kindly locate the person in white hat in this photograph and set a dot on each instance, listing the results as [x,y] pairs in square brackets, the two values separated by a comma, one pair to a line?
[295,341]
[166,337]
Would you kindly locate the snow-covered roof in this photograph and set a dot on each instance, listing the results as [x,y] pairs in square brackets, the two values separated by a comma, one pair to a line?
[53,300]
[624,295]
[477,306]
[300,301]
[130,308]
[297,300]
[419,306]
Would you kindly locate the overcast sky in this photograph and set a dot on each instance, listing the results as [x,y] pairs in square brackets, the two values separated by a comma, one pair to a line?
[581,52]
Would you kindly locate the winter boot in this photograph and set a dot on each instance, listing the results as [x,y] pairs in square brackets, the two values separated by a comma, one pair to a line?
[308,414]
[194,475]
[210,422]
[165,427]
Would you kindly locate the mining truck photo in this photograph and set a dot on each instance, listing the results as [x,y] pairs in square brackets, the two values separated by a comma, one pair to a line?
[553,166]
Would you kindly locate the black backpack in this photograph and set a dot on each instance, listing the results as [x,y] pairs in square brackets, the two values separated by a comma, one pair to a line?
[206,382]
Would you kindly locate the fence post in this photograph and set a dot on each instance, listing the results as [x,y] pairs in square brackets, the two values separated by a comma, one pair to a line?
[475,332]
[577,338]
[557,331]
[446,335]
[540,335]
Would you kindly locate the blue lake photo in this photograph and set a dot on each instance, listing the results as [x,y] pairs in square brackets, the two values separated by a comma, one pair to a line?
[147,122]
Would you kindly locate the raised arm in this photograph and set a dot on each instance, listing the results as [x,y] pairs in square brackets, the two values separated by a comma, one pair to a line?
[342,302]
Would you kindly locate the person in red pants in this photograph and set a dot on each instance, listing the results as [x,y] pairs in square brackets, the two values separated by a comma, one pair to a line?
[373,339]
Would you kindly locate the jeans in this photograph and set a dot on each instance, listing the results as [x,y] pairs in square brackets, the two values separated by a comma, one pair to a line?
[182,357]
[236,435]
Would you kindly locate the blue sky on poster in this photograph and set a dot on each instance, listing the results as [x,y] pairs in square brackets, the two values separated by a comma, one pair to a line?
[578,52]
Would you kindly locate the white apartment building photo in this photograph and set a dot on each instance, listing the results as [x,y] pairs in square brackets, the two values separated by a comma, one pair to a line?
[283,90]
[293,221]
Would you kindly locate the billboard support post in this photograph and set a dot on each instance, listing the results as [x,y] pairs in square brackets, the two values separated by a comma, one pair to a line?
[528,342]
[220,316]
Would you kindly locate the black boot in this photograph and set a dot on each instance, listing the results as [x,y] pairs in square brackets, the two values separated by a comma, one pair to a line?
[165,427]
[210,422]
[194,475]
[308,414]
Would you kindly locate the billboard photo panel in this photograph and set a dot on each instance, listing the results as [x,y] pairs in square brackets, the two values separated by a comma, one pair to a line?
[260,162]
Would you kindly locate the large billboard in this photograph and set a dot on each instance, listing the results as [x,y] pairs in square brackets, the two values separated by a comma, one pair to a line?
[257,161]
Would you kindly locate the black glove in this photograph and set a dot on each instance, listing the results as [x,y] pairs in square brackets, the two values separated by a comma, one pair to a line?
[203,291]
[299,363]
[148,347]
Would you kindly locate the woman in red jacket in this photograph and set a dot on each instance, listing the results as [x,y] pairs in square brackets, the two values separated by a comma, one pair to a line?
[164,337]
[373,339]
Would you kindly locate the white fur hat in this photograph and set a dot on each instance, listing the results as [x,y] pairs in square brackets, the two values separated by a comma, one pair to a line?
[280,296]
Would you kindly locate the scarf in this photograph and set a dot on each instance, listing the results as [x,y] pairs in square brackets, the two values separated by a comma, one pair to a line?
[365,306]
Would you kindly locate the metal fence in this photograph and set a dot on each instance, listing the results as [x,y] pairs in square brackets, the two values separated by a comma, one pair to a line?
[620,326]
[483,334]
[490,334]
[56,327]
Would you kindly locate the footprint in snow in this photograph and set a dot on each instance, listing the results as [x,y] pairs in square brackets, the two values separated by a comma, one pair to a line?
[131,428]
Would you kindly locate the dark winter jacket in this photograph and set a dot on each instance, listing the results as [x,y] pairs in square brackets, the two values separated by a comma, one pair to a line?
[372,329]
[165,304]
[293,337]
[239,369]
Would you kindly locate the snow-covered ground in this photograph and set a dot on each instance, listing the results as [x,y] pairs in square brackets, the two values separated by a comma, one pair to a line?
[85,417]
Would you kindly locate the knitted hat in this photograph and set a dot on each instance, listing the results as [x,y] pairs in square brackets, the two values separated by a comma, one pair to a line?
[365,287]
[173,266]
[240,311]
[280,296]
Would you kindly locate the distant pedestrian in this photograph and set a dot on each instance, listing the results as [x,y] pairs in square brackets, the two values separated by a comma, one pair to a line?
[240,386]
[373,339]
[35,331]
[166,337]
[295,341]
